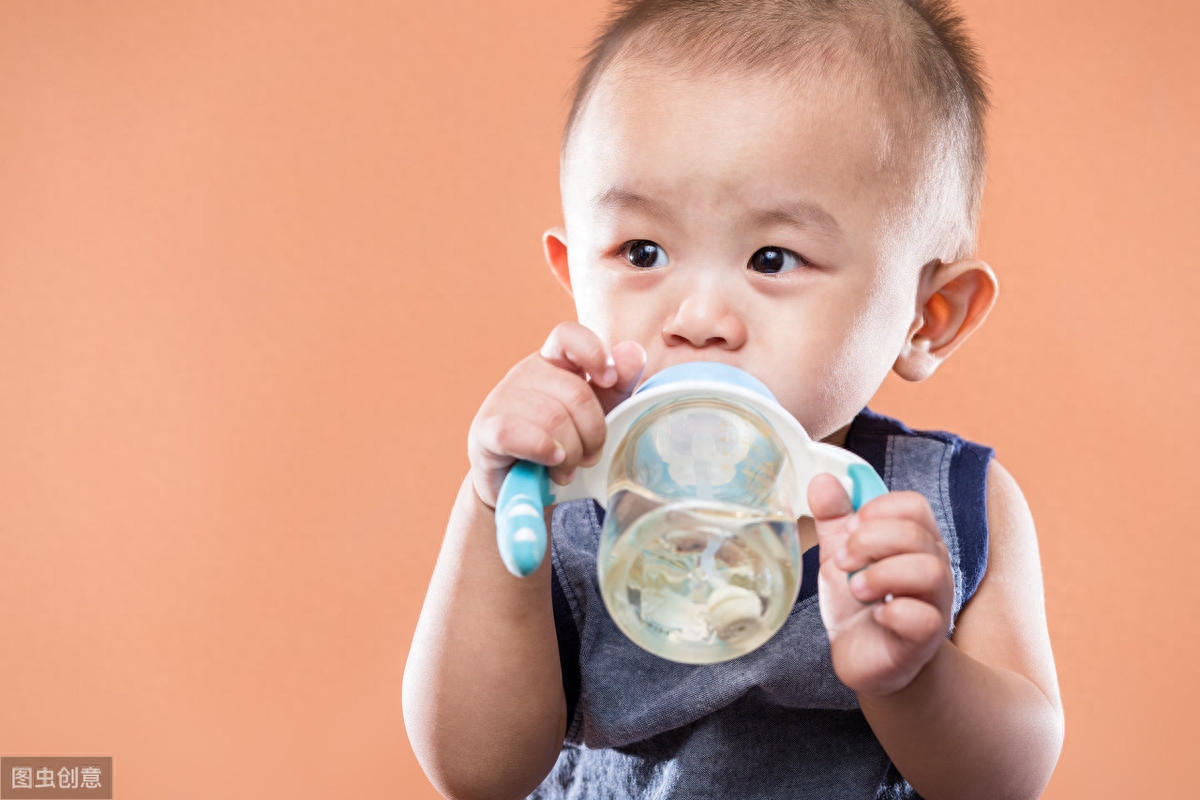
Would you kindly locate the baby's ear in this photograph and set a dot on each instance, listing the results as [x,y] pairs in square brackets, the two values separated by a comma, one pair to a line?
[554,244]
[954,300]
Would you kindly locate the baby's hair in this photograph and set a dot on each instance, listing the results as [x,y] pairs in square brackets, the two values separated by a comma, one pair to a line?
[916,50]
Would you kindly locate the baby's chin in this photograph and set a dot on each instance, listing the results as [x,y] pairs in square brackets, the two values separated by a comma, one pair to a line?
[822,424]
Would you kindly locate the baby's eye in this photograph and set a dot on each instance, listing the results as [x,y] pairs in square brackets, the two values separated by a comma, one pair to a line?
[645,254]
[772,260]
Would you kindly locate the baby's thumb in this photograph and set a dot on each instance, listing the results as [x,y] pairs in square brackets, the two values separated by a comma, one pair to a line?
[630,361]
[832,511]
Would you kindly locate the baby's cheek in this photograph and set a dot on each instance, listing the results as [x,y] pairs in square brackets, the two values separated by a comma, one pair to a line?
[615,317]
[596,319]
[845,384]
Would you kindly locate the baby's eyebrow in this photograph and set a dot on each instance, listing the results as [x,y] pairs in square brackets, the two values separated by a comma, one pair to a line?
[623,199]
[798,214]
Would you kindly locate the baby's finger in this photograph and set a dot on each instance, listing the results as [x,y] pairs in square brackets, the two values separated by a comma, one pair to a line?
[922,576]
[500,440]
[577,349]
[914,622]
[497,442]
[899,505]
[547,412]
[877,540]
[630,361]
[563,399]
[832,512]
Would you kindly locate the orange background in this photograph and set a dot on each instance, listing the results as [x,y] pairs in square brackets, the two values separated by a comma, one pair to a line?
[257,266]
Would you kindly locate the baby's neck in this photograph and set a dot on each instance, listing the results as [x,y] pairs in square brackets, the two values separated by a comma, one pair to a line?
[838,437]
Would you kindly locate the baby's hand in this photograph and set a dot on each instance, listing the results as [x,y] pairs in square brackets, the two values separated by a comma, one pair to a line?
[885,585]
[550,408]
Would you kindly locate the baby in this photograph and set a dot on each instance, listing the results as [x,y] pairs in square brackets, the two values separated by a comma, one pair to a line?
[791,187]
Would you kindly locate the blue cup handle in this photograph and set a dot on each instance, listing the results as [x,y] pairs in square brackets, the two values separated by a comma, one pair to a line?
[520,517]
[867,484]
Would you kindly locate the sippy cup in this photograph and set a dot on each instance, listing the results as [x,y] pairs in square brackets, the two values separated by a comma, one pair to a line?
[703,475]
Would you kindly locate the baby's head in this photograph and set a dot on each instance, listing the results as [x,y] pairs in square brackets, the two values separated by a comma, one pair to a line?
[790,186]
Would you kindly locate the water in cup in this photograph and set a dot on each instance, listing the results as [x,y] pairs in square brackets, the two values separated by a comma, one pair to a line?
[699,554]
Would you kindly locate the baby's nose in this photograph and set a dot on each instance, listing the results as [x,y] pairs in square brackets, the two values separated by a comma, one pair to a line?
[706,315]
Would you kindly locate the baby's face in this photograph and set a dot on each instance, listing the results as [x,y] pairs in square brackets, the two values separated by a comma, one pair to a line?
[738,219]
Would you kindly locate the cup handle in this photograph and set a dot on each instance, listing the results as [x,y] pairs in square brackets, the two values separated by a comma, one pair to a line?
[520,517]
[858,478]
[867,484]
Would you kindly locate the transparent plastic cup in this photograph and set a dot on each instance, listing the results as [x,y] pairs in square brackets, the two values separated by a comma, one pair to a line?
[699,557]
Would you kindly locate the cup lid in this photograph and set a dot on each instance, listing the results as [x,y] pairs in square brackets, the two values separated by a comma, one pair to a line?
[808,457]
[707,372]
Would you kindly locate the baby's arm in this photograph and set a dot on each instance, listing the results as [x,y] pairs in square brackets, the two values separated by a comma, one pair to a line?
[483,697]
[975,716]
